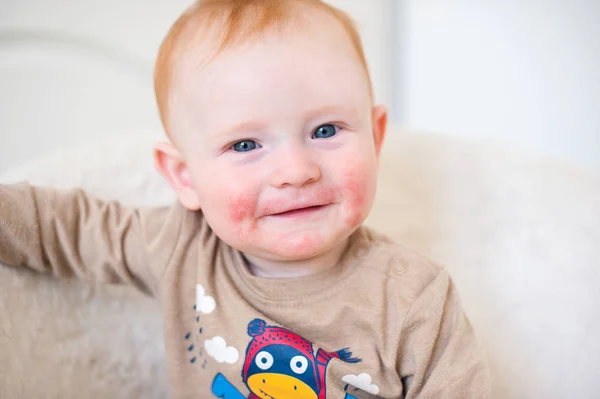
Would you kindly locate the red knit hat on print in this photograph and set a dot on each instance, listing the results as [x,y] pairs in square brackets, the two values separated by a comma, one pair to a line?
[264,335]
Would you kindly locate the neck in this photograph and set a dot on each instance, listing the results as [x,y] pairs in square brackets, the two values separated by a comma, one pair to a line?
[296,268]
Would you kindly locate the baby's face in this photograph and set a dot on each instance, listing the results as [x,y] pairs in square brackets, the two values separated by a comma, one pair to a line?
[281,140]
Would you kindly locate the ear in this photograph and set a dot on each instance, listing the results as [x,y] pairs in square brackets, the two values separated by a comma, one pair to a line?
[379,119]
[170,163]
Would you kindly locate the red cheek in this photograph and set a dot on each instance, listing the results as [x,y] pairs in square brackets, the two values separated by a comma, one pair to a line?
[239,208]
[357,187]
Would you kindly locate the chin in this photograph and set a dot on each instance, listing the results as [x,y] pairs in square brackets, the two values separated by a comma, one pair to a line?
[296,251]
[301,246]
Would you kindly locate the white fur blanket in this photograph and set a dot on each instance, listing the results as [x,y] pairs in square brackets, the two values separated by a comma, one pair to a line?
[519,234]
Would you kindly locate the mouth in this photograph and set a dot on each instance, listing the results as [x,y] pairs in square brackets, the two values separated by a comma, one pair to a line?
[266,394]
[300,211]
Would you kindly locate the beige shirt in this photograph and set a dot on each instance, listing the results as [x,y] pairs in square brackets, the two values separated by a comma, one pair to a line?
[384,322]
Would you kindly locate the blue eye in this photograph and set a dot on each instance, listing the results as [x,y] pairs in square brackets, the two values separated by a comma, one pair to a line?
[245,146]
[325,131]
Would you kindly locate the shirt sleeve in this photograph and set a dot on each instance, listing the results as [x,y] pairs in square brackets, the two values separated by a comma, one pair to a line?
[439,354]
[71,234]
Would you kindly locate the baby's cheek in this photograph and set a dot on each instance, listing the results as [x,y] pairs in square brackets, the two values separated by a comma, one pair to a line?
[229,210]
[240,218]
[358,188]
[239,207]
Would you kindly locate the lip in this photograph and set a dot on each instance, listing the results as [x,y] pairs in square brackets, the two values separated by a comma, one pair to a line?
[299,212]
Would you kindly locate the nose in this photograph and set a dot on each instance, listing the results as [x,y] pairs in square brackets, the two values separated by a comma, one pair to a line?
[295,167]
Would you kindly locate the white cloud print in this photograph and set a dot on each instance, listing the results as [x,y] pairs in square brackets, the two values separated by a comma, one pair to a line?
[217,348]
[361,381]
[204,303]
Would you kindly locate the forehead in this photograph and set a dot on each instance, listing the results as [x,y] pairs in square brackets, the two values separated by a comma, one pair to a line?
[310,63]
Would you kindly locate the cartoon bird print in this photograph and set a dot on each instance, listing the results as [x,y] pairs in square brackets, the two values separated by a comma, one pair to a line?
[281,364]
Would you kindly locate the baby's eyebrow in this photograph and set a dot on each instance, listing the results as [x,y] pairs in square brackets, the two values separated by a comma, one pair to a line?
[342,114]
[241,127]
[327,110]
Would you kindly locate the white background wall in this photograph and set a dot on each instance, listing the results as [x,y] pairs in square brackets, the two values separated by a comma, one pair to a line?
[375,22]
[522,71]
[74,70]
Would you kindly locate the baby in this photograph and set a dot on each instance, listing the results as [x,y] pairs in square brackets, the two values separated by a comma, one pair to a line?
[270,285]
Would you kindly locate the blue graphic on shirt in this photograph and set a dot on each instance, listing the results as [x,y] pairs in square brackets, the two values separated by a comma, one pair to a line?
[222,388]
[281,364]
[193,346]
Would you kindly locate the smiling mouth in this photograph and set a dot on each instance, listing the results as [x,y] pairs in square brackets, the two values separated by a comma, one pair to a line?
[300,211]
[263,392]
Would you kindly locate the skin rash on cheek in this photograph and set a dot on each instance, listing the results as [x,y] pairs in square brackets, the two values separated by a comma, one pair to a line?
[358,190]
[240,208]
[240,215]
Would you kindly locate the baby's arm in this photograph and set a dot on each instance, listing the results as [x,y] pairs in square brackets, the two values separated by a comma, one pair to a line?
[440,356]
[73,235]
